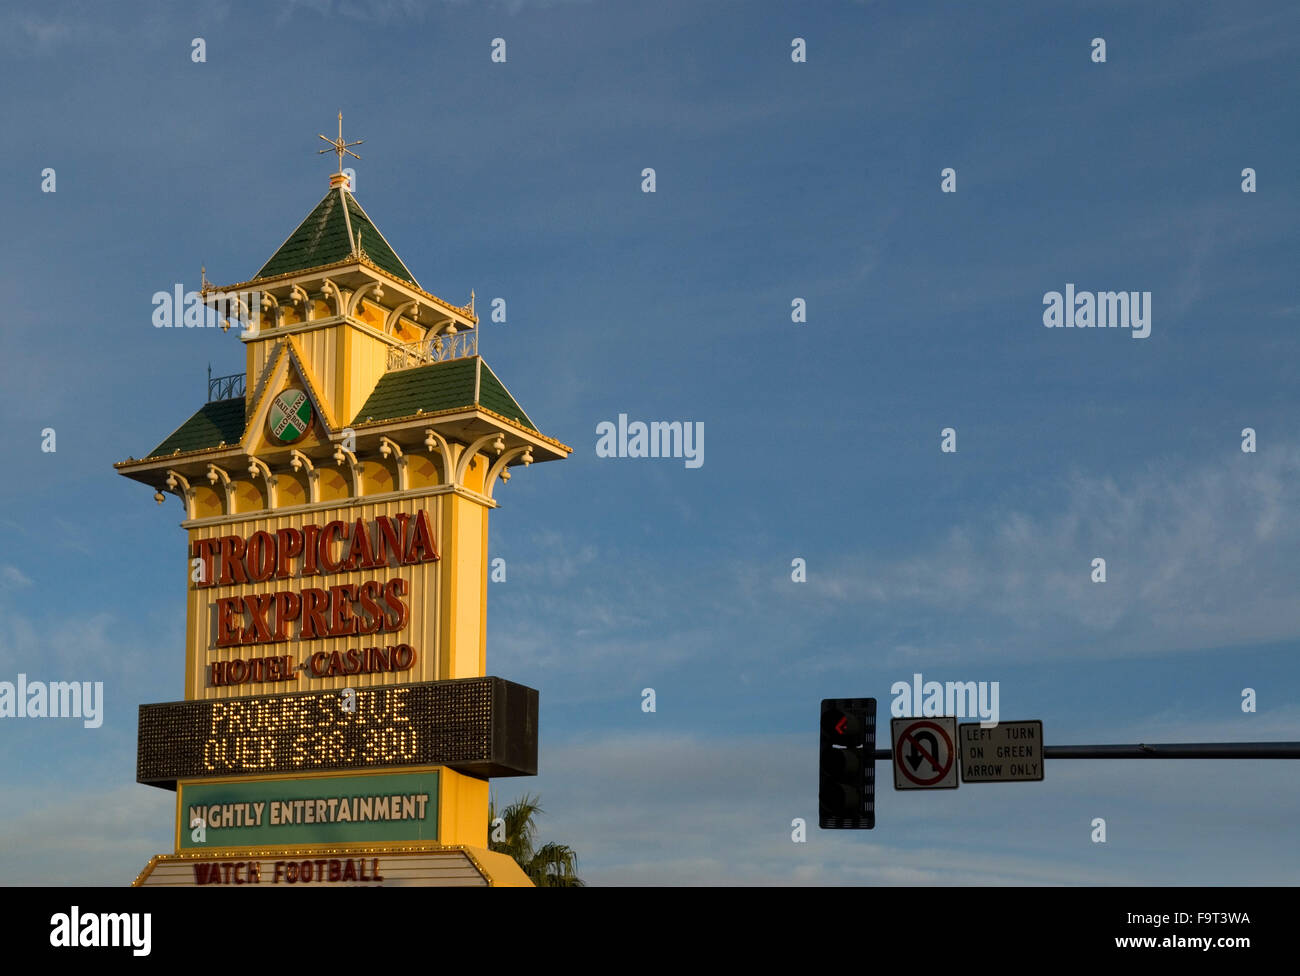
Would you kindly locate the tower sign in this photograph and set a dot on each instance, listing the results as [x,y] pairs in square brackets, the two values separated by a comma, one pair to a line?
[336,510]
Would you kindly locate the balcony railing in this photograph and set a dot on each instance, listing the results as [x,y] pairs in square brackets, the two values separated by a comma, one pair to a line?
[434,349]
[225,387]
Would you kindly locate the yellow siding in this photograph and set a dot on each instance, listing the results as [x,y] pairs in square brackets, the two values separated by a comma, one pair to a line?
[342,385]
[463,654]
[462,809]
[368,362]
[258,354]
[482,627]
[251,366]
[476,472]
[320,348]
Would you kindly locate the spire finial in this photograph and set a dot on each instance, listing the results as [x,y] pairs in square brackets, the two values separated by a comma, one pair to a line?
[339,147]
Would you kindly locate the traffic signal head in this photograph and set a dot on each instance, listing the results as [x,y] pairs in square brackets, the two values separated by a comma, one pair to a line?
[847,766]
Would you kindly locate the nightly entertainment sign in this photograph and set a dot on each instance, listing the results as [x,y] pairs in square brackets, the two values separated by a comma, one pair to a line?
[317,810]
[482,726]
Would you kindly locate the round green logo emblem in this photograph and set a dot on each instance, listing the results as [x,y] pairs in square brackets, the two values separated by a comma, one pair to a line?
[290,416]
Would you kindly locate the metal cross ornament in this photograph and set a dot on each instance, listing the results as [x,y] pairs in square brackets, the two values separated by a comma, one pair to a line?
[339,146]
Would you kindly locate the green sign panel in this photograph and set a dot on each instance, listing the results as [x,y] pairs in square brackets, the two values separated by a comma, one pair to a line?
[330,809]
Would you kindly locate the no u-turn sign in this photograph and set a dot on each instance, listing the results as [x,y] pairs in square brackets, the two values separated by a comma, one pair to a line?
[925,753]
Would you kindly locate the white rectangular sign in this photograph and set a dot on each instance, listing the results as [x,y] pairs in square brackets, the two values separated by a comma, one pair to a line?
[1010,752]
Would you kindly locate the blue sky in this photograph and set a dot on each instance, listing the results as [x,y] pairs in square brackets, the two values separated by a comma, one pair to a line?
[775,180]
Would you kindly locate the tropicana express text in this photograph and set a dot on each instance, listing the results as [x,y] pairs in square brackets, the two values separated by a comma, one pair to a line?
[336,611]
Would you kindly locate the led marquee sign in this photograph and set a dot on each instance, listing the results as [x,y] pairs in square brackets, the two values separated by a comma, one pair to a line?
[479,726]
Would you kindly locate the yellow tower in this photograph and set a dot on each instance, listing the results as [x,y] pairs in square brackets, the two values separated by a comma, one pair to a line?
[336,498]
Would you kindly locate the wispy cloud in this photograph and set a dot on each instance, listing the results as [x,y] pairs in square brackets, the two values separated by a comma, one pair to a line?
[1196,556]
[55,28]
[84,837]
[12,576]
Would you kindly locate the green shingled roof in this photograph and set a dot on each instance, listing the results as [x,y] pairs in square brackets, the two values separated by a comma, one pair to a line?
[329,235]
[440,386]
[214,423]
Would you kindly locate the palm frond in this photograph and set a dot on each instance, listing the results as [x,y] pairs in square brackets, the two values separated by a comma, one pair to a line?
[549,866]
[554,866]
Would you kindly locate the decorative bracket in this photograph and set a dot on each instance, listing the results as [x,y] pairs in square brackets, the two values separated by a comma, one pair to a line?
[298,461]
[498,469]
[375,290]
[395,315]
[433,439]
[498,443]
[257,466]
[271,308]
[341,455]
[177,484]
[332,290]
[215,475]
[390,447]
